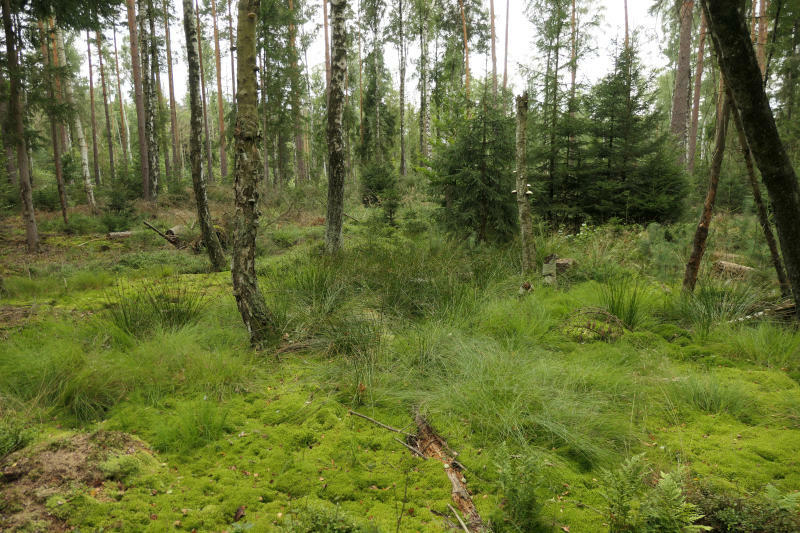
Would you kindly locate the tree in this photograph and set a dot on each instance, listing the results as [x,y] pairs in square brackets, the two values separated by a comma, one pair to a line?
[111,169]
[336,156]
[698,83]
[95,152]
[209,156]
[144,156]
[737,60]
[149,51]
[681,94]
[257,318]
[223,156]
[173,114]
[297,116]
[123,129]
[210,239]
[523,200]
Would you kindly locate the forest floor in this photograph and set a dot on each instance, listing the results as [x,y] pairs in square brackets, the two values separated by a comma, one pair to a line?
[127,380]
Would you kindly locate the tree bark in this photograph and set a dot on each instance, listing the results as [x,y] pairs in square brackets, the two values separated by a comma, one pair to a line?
[149,71]
[123,129]
[523,203]
[231,37]
[173,113]
[63,132]
[297,115]
[257,318]
[336,166]
[17,125]
[109,137]
[701,234]
[95,151]
[763,29]
[739,65]
[144,157]
[223,156]
[209,156]
[83,148]
[680,97]
[327,47]
[698,84]
[8,145]
[210,239]
[466,48]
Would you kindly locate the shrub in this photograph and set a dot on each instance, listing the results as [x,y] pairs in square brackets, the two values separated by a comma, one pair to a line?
[167,305]
[46,198]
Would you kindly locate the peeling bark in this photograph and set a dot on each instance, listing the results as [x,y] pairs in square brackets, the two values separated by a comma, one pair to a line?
[336,155]
[257,318]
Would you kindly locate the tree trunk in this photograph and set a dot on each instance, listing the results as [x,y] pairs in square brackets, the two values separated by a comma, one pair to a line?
[627,30]
[680,97]
[15,118]
[78,127]
[360,91]
[761,210]
[149,70]
[763,29]
[698,84]
[144,157]
[8,145]
[523,203]
[231,37]
[739,65]
[297,115]
[162,111]
[63,132]
[95,151]
[466,48]
[257,318]
[265,138]
[109,137]
[505,55]
[173,113]
[494,49]
[423,81]
[210,239]
[402,54]
[123,129]
[223,156]
[701,234]
[333,231]
[327,47]
[209,156]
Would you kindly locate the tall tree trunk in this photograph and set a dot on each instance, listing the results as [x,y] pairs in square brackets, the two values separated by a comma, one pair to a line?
[297,112]
[763,29]
[523,204]
[209,156]
[95,151]
[63,132]
[83,148]
[123,129]
[147,30]
[164,136]
[177,163]
[265,137]
[701,234]
[223,156]
[494,49]
[8,145]
[210,239]
[423,80]
[698,84]
[17,125]
[144,157]
[327,46]
[402,54]
[680,97]
[761,210]
[505,55]
[231,37]
[466,48]
[257,318]
[54,128]
[627,30]
[109,136]
[336,156]
[360,90]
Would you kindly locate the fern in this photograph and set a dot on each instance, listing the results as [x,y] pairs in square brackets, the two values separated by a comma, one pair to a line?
[620,490]
[667,511]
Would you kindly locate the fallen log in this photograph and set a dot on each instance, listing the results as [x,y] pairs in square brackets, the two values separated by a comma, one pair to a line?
[731,270]
[174,241]
[118,235]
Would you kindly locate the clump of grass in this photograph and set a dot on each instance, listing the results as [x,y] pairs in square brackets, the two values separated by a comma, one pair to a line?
[625,300]
[192,426]
[714,304]
[710,395]
[168,305]
[767,343]
[14,434]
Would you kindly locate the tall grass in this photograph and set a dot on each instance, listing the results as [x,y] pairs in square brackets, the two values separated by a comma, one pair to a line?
[167,304]
[624,299]
[715,303]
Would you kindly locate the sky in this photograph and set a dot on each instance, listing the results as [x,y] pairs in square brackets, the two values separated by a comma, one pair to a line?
[521,44]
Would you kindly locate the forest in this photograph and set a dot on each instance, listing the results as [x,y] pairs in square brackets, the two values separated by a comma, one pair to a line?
[400,266]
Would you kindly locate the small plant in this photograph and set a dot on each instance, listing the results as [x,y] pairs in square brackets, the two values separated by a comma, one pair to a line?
[193,425]
[716,303]
[167,305]
[621,489]
[667,511]
[519,481]
[625,300]
[14,434]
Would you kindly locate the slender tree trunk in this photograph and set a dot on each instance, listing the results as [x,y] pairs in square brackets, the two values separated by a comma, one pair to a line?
[232,37]
[177,163]
[257,318]
[680,97]
[698,84]
[466,48]
[150,88]
[523,203]
[54,129]
[505,55]
[16,114]
[336,156]
[494,49]
[63,132]
[297,114]
[360,90]
[109,136]
[164,136]
[423,80]
[123,130]
[223,156]
[627,30]
[210,239]
[78,127]
[144,157]
[327,46]
[265,137]
[701,234]
[791,74]
[95,151]
[763,29]
[209,156]
[402,54]
[8,145]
